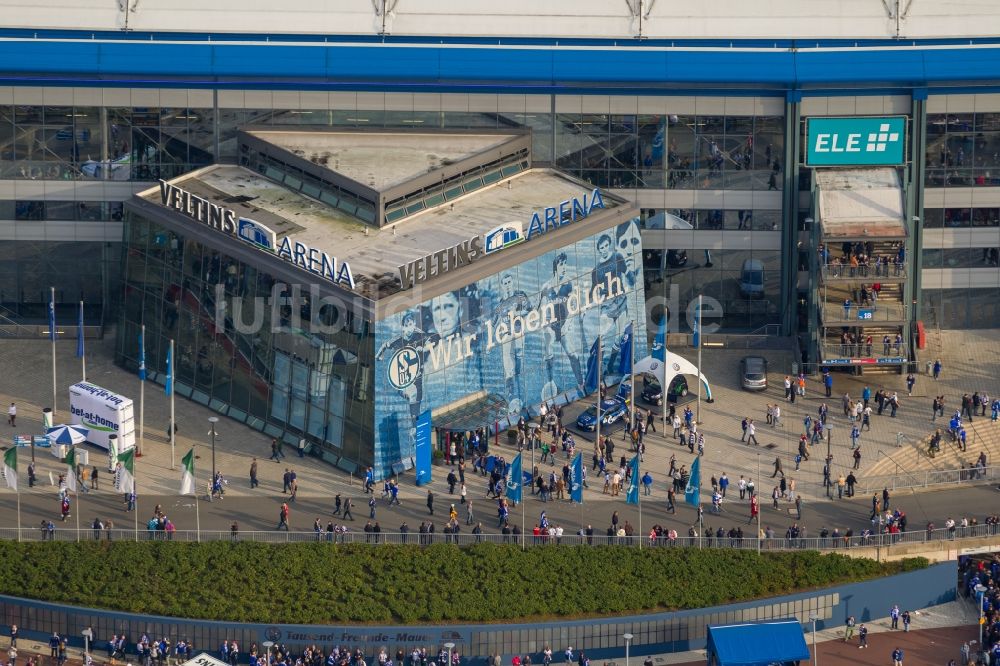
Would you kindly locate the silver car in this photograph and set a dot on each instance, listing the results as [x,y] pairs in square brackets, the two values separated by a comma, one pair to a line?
[753,373]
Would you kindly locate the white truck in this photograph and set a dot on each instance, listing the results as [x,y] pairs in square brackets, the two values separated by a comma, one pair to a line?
[103,413]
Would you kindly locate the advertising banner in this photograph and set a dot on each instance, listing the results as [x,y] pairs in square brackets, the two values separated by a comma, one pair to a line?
[856,141]
[523,336]
[103,413]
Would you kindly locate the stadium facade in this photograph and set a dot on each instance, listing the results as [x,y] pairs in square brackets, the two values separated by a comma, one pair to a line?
[745,144]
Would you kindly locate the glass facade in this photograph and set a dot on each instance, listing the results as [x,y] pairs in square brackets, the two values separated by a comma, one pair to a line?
[247,345]
[961,308]
[80,271]
[671,151]
[746,284]
[963,150]
[707,160]
[527,335]
[90,142]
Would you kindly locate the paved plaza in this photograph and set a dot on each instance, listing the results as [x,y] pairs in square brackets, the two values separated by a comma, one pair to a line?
[26,380]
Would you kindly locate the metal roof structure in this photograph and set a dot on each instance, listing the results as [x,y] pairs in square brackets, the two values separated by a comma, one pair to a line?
[757,644]
[860,204]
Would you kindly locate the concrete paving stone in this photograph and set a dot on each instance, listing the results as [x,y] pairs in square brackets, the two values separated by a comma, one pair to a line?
[25,378]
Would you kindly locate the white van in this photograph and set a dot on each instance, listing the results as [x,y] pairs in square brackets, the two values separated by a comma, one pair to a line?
[752,278]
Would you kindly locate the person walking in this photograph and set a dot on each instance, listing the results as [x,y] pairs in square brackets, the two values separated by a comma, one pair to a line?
[12,415]
[253,474]
[897,657]
[430,502]
[347,509]
[862,636]
[752,433]
[848,628]
[283,517]
[777,468]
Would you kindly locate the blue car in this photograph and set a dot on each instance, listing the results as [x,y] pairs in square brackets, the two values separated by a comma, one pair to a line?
[612,411]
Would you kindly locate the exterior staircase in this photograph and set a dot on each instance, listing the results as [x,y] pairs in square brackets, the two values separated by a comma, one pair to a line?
[911,456]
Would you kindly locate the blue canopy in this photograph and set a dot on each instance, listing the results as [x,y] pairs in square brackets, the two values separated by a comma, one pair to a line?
[754,644]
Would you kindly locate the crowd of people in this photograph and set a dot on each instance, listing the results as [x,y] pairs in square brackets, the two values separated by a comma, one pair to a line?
[980,583]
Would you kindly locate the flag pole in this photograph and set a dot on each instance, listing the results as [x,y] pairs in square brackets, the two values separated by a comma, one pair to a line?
[142,388]
[600,382]
[18,493]
[173,428]
[635,426]
[698,414]
[631,383]
[77,485]
[523,523]
[639,502]
[83,353]
[663,366]
[52,337]
[197,511]
[135,505]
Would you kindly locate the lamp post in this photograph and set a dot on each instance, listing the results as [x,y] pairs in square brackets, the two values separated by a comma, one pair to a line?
[88,635]
[757,495]
[449,647]
[267,651]
[213,420]
[814,618]
[980,591]
[628,641]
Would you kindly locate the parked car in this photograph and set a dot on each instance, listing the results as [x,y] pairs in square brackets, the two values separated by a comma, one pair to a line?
[612,411]
[753,373]
[652,392]
[752,278]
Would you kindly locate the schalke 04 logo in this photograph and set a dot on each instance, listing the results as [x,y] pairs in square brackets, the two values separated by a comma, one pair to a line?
[404,367]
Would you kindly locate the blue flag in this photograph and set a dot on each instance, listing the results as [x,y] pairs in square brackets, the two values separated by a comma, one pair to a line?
[52,319]
[632,493]
[168,387]
[593,367]
[576,479]
[660,341]
[422,448]
[142,356]
[79,334]
[514,480]
[692,493]
[625,348]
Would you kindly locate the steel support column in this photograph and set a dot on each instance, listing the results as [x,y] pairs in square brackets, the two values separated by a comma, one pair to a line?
[790,214]
[915,201]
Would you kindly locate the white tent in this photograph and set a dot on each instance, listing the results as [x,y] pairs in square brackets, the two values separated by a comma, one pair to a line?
[670,367]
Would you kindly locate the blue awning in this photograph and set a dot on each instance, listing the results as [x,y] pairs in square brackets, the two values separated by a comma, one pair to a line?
[756,644]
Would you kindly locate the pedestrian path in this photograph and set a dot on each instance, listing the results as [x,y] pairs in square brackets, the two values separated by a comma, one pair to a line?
[945,616]
[158,470]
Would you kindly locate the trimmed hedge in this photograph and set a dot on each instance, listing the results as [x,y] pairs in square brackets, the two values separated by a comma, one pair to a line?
[319,583]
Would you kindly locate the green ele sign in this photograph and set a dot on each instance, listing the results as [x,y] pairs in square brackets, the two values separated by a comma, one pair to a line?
[858,141]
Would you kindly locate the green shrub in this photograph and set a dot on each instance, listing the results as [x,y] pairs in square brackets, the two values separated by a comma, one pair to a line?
[320,583]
